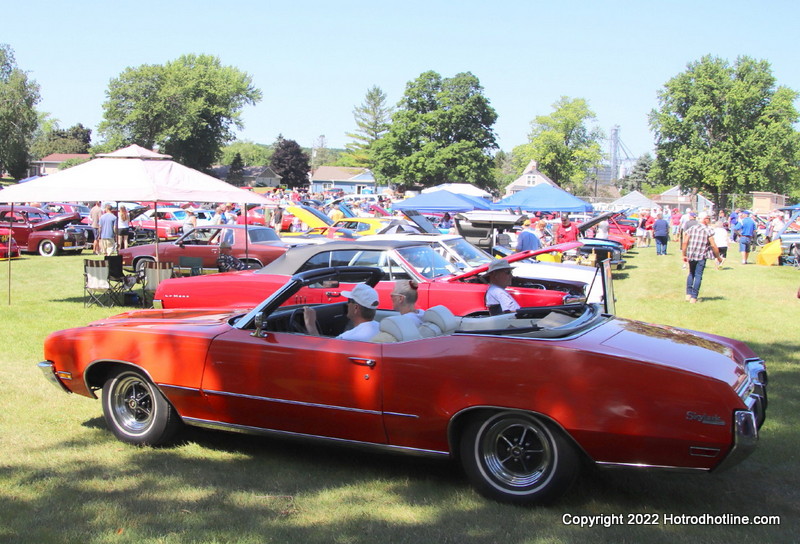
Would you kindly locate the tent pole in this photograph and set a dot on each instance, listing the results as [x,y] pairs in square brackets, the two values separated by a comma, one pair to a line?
[155,216]
[10,237]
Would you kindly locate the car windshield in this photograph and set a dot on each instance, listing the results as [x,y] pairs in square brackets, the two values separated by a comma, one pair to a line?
[468,253]
[427,262]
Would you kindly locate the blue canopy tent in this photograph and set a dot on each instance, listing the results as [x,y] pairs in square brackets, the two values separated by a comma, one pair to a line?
[544,198]
[442,201]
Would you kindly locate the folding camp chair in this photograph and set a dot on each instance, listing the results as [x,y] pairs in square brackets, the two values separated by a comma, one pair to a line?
[120,282]
[191,265]
[154,273]
[96,286]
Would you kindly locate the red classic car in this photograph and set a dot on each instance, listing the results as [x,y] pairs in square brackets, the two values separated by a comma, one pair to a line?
[8,246]
[520,400]
[35,231]
[440,282]
[168,221]
[261,246]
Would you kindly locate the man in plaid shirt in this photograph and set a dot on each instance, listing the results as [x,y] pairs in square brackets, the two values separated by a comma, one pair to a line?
[698,245]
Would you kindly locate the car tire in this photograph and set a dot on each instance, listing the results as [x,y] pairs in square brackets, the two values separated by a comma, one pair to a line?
[47,248]
[517,458]
[136,411]
[139,264]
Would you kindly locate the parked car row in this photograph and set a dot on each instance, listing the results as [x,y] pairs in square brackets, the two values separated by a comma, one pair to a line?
[35,231]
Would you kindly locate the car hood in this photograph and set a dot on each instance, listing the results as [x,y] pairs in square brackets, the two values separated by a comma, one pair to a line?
[307,216]
[589,223]
[514,257]
[57,222]
[195,317]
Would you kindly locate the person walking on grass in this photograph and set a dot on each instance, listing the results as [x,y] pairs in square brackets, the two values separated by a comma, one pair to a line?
[698,245]
[746,228]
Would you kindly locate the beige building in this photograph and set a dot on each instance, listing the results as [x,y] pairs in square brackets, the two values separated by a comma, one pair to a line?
[49,164]
[530,177]
[766,202]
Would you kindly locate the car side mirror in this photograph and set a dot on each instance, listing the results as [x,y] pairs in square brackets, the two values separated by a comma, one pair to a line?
[259,322]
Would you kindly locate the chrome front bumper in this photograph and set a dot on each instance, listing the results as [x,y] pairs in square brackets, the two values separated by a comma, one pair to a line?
[48,369]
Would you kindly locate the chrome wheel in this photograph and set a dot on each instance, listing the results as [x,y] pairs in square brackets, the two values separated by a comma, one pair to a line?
[516,457]
[136,412]
[132,404]
[47,248]
[516,452]
[141,263]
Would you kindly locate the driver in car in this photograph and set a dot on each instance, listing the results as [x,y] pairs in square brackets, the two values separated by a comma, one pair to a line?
[361,306]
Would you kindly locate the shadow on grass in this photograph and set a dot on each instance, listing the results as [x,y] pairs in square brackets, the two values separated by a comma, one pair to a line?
[242,487]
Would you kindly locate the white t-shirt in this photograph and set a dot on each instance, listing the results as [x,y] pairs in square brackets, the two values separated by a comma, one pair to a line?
[415,317]
[497,295]
[721,237]
[364,332]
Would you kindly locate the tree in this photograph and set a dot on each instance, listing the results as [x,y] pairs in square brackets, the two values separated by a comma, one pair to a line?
[638,177]
[188,107]
[442,132]
[320,154]
[50,139]
[252,154]
[562,143]
[18,117]
[726,129]
[236,171]
[291,163]
[504,171]
[372,119]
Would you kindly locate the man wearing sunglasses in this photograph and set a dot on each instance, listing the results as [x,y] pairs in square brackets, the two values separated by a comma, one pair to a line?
[361,306]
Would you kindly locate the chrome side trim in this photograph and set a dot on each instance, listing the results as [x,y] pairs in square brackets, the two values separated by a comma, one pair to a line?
[246,429]
[608,465]
[184,388]
[293,402]
[397,414]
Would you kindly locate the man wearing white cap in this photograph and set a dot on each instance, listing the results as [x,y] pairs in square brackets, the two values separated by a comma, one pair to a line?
[361,306]
[498,300]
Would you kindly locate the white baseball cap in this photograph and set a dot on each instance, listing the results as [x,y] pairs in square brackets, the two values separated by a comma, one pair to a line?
[363,295]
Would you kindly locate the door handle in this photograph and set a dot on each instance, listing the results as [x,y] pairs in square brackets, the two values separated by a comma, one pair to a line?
[332,294]
[363,361]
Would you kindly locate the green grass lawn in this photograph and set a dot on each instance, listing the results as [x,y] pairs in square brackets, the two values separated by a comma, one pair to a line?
[64,478]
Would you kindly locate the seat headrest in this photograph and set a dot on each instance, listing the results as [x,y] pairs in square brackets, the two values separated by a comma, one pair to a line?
[429,330]
[442,318]
[401,327]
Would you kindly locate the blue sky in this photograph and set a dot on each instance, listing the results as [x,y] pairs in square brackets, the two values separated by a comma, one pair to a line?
[314,61]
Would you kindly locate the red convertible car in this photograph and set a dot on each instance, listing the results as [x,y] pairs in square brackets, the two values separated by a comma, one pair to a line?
[261,246]
[520,400]
[440,282]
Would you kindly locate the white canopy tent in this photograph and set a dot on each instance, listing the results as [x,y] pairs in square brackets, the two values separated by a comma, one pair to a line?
[132,173]
[459,189]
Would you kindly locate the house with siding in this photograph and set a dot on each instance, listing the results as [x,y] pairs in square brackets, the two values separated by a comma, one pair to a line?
[349,180]
[254,176]
[51,163]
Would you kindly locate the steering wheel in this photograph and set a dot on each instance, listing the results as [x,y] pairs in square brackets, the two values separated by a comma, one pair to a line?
[297,321]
